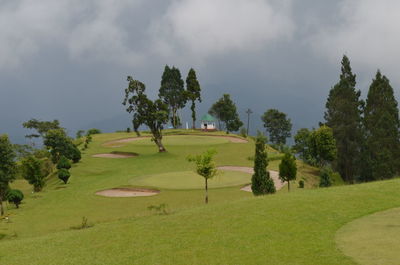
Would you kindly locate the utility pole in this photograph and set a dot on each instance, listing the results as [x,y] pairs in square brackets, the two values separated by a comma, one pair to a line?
[248,111]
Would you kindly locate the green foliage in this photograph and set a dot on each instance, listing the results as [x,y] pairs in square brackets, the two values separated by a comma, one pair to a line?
[8,168]
[301,184]
[261,183]
[323,145]
[79,134]
[205,166]
[381,150]
[288,169]
[326,177]
[42,127]
[93,131]
[193,93]
[303,145]
[243,132]
[225,110]
[74,154]
[172,91]
[64,175]
[278,126]
[59,145]
[33,172]
[15,196]
[160,209]
[63,163]
[343,115]
[23,150]
[128,129]
[154,114]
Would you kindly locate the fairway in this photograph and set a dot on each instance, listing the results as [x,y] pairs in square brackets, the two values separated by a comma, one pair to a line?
[373,239]
[191,180]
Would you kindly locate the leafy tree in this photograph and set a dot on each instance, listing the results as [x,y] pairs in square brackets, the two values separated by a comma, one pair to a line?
[323,146]
[154,114]
[302,144]
[32,171]
[64,175]
[381,122]
[193,93]
[60,144]
[8,168]
[225,110]
[278,126]
[172,91]
[63,163]
[23,150]
[261,183]
[343,115]
[326,176]
[205,167]
[42,127]
[79,134]
[15,196]
[93,131]
[288,169]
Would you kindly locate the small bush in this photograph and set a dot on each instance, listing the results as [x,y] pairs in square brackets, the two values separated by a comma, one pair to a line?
[15,196]
[64,175]
[301,184]
[326,176]
[243,132]
[93,131]
[128,130]
[75,155]
[63,163]
[159,209]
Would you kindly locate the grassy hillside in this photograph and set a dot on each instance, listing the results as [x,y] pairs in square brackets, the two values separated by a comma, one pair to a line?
[126,232]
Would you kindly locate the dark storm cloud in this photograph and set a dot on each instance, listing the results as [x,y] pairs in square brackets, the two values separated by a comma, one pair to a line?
[69,59]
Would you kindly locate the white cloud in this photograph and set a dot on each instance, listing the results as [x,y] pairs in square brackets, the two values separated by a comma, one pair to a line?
[367,31]
[208,27]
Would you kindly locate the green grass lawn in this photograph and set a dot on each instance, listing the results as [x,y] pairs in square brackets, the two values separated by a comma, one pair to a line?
[234,228]
[373,239]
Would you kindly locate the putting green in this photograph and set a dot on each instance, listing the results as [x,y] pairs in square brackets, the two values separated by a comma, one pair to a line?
[373,239]
[184,140]
[190,180]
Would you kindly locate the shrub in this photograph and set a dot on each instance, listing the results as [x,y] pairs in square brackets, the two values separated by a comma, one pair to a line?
[243,132]
[93,131]
[159,209]
[15,196]
[33,172]
[63,163]
[128,130]
[75,155]
[64,175]
[301,184]
[326,177]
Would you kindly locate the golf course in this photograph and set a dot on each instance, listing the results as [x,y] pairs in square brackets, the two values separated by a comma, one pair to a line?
[72,224]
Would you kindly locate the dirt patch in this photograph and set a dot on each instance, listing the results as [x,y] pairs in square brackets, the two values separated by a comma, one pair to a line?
[273,174]
[116,154]
[127,192]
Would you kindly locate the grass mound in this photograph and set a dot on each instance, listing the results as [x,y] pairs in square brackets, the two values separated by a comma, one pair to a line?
[191,180]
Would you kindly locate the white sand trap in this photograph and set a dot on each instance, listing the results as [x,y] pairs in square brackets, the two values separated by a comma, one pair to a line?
[127,192]
[116,155]
[273,174]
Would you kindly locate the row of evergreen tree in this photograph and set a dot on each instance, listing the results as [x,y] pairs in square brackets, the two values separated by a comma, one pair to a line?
[366,132]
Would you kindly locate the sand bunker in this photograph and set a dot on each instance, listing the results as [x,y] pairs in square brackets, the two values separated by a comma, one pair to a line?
[127,192]
[117,143]
[273,174]
[117,154]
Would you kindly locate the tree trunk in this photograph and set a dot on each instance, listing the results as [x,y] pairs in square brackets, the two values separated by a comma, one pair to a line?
[288,185]
[206,191]
[174,118]
[161,147]
[1,207]
[193,108]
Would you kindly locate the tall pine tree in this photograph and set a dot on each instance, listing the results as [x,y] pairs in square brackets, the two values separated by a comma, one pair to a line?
[172,92]
[261,183]
[343,115]
[381,123]
[193,93]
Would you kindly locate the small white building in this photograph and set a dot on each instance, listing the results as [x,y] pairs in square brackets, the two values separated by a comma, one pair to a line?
[208,123]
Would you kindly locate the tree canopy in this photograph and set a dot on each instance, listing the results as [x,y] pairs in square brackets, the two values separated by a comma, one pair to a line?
[225,110]
[193,93]
[8,169]
[42,127]
[172,91]
[278,126]
[288,169]
[153,114]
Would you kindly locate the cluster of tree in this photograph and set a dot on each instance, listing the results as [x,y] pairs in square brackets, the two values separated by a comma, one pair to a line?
[225,111]
[361,139]
[155,114]
[278,126]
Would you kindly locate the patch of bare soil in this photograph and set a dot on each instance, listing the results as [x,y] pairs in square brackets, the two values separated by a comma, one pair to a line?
[117,143]
[116,154]
[127,192]
[273,174]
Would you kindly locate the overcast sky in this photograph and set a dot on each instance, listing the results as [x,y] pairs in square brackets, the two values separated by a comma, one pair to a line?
[68,59]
